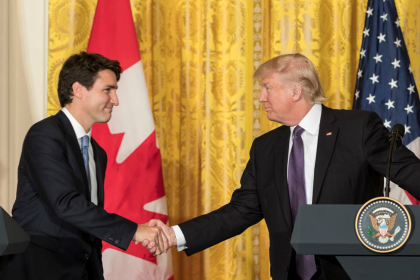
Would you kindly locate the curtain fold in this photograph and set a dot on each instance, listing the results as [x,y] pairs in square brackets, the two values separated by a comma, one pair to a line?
[198,58]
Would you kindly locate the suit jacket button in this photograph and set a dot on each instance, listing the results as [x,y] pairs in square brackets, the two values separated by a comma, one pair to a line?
[117,241]
[86,256]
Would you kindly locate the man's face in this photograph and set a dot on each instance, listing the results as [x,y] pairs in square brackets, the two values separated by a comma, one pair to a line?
[277,99]
[101,98]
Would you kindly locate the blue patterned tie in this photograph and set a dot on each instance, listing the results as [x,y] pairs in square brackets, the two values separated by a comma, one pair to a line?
[305,264]
[85,153]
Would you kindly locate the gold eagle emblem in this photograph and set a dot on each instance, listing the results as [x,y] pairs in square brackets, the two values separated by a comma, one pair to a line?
[383,225]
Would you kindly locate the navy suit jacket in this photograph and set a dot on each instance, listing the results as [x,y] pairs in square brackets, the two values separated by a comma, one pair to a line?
[53,205]
[350,164]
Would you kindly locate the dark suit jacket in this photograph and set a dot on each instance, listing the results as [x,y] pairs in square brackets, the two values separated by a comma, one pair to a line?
[53,206]
[349,168]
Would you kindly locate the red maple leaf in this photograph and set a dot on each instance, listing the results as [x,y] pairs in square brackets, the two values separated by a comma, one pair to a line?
[132,184]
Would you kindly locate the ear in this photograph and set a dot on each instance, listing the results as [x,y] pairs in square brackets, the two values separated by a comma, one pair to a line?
[77,90]
[297,92]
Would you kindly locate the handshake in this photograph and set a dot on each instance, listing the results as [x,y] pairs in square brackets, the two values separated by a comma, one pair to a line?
[156,236]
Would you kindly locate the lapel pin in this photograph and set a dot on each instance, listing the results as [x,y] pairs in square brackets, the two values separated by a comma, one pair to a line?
[329,134]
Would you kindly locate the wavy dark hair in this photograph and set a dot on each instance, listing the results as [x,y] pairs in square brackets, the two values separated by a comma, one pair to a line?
[83,68]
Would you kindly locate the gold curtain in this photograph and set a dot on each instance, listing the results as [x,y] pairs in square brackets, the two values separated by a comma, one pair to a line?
[198,58]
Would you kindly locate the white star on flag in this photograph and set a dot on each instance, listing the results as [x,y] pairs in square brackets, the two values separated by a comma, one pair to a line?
[359,73]
[407,129]
[381,37]
[393,83]
[371,98]
[378,58]
[384,17]
[387,124]
[397,22]
[369,12]
[409,109]
[374,78]
[411,89]
[366,32]
[396,63]
[409,69]
[390,104]
[397,43]
[363,53]
[356,94]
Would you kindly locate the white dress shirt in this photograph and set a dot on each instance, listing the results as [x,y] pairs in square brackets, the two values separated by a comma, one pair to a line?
[310,123]
[80,132]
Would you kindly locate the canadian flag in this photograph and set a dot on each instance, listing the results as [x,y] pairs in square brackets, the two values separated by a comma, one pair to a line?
[134,183]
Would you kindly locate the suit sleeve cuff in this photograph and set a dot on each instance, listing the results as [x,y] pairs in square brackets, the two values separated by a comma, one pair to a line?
[181,243]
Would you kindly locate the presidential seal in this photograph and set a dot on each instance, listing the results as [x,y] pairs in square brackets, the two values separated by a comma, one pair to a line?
[383,224]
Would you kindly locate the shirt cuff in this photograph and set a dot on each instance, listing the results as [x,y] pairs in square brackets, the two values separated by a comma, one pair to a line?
[181,243]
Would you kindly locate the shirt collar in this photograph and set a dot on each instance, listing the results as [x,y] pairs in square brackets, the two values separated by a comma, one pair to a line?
[77,127]
[310,123]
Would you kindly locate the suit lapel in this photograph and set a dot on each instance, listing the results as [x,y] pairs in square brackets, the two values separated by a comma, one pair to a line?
[75,149]
[281,149]
[328,132]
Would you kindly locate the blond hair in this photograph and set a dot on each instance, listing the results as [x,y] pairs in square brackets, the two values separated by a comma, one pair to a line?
[295,69]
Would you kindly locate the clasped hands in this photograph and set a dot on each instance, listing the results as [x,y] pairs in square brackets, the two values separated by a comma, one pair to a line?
[156,236]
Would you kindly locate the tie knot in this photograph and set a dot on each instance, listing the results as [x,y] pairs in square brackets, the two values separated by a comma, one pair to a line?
[85,141]
[298,131]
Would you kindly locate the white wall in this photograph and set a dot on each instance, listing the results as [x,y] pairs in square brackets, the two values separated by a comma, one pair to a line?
[23,83]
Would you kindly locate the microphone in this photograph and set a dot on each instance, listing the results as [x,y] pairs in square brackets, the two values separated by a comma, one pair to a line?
[395,141]
[397,133]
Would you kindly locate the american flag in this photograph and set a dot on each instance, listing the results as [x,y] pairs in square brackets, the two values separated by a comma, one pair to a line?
[385,83]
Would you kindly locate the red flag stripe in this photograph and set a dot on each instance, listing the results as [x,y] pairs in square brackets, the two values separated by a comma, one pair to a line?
[113,33]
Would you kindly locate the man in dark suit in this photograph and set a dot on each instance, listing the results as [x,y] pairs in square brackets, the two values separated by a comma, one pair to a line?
[322,155]
[60,194]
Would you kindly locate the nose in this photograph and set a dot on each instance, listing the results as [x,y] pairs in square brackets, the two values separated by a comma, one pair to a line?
[114,98]
[263,96]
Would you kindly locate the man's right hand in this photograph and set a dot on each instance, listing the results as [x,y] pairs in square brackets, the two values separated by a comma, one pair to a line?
[155,237]
[170,235]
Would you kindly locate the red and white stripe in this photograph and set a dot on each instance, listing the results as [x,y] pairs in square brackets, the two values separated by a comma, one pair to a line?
[398,193]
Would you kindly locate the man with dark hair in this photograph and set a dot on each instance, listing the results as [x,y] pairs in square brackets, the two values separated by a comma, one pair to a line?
[83,68]
[60,194]
[318,156]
